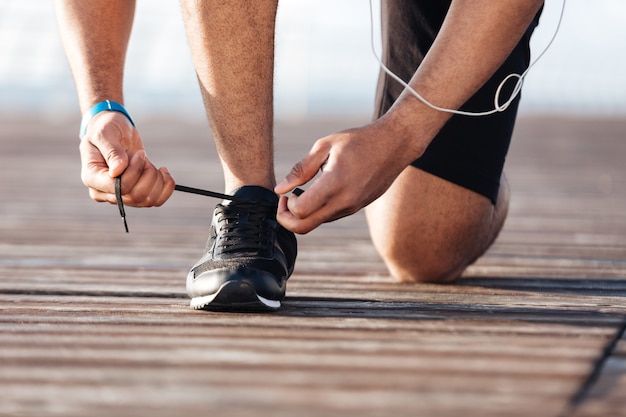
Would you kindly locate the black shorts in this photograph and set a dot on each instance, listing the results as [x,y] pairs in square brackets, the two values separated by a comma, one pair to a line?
[468,151]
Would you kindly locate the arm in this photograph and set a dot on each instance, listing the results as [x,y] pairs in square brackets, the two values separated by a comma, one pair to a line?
[95,36]
[358,165]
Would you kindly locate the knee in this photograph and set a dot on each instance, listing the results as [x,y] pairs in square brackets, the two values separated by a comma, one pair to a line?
[437,268]
[425,274]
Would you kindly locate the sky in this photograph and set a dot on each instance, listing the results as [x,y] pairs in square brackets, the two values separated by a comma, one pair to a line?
[324,61]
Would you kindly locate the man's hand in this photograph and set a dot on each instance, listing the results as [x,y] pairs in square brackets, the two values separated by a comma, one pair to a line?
[95,36]
[112,146]
[355,167]
[358,165]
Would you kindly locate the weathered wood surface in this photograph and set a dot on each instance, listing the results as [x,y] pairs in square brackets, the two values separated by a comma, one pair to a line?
[95,322]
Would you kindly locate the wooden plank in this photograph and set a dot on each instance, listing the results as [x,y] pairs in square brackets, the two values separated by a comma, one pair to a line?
[94,321]
[607,397]
[402,363]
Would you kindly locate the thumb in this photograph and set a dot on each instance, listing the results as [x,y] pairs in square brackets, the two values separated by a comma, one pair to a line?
[118,162]
[304,170]
[113,136]
[112,151]
[116,159]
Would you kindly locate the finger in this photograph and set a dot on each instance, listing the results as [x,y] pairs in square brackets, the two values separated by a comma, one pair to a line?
[303,171]
[289,221]
[321,191]
[112,134]
[152,188]
[328,198]
[102,187]
[303,213]
[137,164]
[101,197]
[97,177]
[296,224]
[94,170]
[162,188]
[168,187]
[146,189]
[329,189]
[114,155]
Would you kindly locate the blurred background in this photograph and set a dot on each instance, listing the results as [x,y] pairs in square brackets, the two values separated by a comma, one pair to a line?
[324,64]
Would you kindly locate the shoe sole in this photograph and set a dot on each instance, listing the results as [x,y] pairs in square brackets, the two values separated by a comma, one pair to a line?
[234,295]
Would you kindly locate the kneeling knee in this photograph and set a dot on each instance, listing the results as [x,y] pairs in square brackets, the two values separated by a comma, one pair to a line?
[430,275]
[425,271]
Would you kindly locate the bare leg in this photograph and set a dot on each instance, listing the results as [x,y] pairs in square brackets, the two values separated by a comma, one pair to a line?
[429,230]
[232,45]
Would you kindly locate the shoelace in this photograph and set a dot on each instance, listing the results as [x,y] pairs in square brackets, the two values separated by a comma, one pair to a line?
[184,189]
[244,227]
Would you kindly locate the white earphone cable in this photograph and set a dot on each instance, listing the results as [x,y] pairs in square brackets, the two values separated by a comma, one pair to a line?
[496,100]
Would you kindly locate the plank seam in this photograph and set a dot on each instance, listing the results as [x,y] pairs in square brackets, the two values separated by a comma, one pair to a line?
[582,393]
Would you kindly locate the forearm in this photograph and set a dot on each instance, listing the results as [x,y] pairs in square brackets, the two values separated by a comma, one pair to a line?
[476,38]
[95,36]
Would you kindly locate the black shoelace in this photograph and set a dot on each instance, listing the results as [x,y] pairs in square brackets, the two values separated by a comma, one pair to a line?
[184,189]
[245,227]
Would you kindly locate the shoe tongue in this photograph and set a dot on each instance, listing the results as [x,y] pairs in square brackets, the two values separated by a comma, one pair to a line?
[255,193]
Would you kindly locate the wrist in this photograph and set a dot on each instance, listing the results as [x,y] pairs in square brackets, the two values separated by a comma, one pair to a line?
[407,130]
[106,105]
[414,123]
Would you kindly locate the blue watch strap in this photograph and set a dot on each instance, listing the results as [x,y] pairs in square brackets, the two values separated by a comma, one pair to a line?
[106,105]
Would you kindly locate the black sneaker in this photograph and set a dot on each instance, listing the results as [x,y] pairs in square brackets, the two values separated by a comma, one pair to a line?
[249,256]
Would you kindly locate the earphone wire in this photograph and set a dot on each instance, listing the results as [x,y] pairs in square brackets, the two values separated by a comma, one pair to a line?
[496,100]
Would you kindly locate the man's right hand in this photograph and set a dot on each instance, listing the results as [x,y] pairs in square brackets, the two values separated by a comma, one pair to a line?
[112,147]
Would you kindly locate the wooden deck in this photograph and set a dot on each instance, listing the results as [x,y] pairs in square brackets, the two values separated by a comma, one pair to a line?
[95,322]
